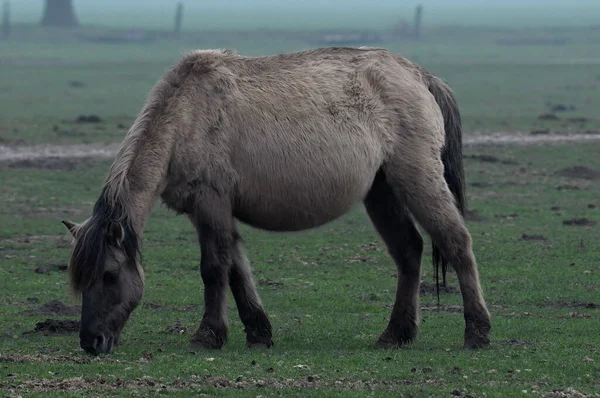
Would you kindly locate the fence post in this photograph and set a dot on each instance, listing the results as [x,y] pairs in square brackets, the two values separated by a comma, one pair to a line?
[6,20]
[417,25]
[178,18]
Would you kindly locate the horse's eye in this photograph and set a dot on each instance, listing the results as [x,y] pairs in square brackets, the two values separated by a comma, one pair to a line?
[110,278]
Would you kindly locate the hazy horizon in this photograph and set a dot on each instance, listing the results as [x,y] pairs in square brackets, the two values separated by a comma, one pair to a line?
[229,14]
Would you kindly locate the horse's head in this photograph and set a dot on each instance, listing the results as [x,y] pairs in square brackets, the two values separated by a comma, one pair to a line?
[106,271]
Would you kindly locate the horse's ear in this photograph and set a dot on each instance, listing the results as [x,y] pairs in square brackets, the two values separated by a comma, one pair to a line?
[71,226]
[115,234]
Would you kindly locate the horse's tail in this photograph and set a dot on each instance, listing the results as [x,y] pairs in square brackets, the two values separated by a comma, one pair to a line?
[451,158]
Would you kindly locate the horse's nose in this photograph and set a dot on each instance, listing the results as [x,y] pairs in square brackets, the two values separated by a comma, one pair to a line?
[93,344]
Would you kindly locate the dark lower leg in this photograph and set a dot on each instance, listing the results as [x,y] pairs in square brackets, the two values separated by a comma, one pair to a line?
[457,247]
[404,321]
[405,245]
[214,266]
[252,314]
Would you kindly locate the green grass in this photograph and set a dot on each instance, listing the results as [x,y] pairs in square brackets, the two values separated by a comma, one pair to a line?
[499,88]
[331,298]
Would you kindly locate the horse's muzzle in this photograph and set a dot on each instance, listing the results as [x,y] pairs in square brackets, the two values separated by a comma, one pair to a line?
[96,344]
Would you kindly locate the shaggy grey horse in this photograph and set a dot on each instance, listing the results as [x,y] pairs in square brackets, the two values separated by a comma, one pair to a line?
[283,143]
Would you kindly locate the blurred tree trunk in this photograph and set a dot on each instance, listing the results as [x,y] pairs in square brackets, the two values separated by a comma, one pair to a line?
[59,13]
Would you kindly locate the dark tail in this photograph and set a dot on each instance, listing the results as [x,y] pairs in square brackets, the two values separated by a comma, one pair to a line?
[452,159]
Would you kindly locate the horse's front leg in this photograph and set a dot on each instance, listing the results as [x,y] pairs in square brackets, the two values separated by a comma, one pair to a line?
[216,259]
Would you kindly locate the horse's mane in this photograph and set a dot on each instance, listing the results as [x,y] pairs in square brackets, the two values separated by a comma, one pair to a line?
[114,204]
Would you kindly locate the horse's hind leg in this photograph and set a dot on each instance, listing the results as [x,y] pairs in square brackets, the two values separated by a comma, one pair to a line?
[417,178]
[252,314]
[405,245]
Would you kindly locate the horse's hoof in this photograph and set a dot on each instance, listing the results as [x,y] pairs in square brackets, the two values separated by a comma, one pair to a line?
[474,343]
[259,344]
[389,339]
[386,344]
[206,340]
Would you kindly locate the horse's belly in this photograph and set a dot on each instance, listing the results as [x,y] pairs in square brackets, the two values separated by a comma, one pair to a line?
[282,201]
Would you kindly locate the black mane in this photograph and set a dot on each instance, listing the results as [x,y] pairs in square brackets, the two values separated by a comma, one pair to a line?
[91,246]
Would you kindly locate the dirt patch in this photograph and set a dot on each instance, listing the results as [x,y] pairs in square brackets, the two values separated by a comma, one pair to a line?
[583,222]
[55,326]
[18,358]
[88,119]
[539,132]
[568,393]
[196,382]
[427,288]
[478,184]
[568,187]
[575,304]
[579,172]
[506,216]
[473,215]
[491,159]
[562,108]
[51,163]
[441,307]
[577,120]
[516,342]
[152,306]
[54,307]
[178,328]
[500,139]
[270,282]
[48,269]
[548,116]
[526,237]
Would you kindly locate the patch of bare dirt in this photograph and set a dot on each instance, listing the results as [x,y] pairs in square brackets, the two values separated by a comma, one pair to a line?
[201,382]
[480,184]
[55,326]
[152,306]
[49,268]
[516,342]
[88,119]
[548,116]
[575,304]
[568,393]
[18,358]
[568,187]
[491,159]
[540,132]
[54,307]
[582,172]
[51,163]
[427,288]
[526,237]
[500,139]
[441,307]
[579,222]
[473,215]
[270,282]
[178,328]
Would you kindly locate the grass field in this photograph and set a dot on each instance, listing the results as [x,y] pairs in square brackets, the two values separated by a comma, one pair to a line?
[328,291]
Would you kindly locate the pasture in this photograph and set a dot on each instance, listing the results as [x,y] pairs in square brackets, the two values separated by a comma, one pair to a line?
[328,292]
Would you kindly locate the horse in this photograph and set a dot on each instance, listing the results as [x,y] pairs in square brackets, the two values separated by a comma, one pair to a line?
[285,142]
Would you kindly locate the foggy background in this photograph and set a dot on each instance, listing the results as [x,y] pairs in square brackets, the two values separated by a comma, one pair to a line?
[289,14]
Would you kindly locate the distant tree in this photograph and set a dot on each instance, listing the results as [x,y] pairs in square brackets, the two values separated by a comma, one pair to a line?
[59,13]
